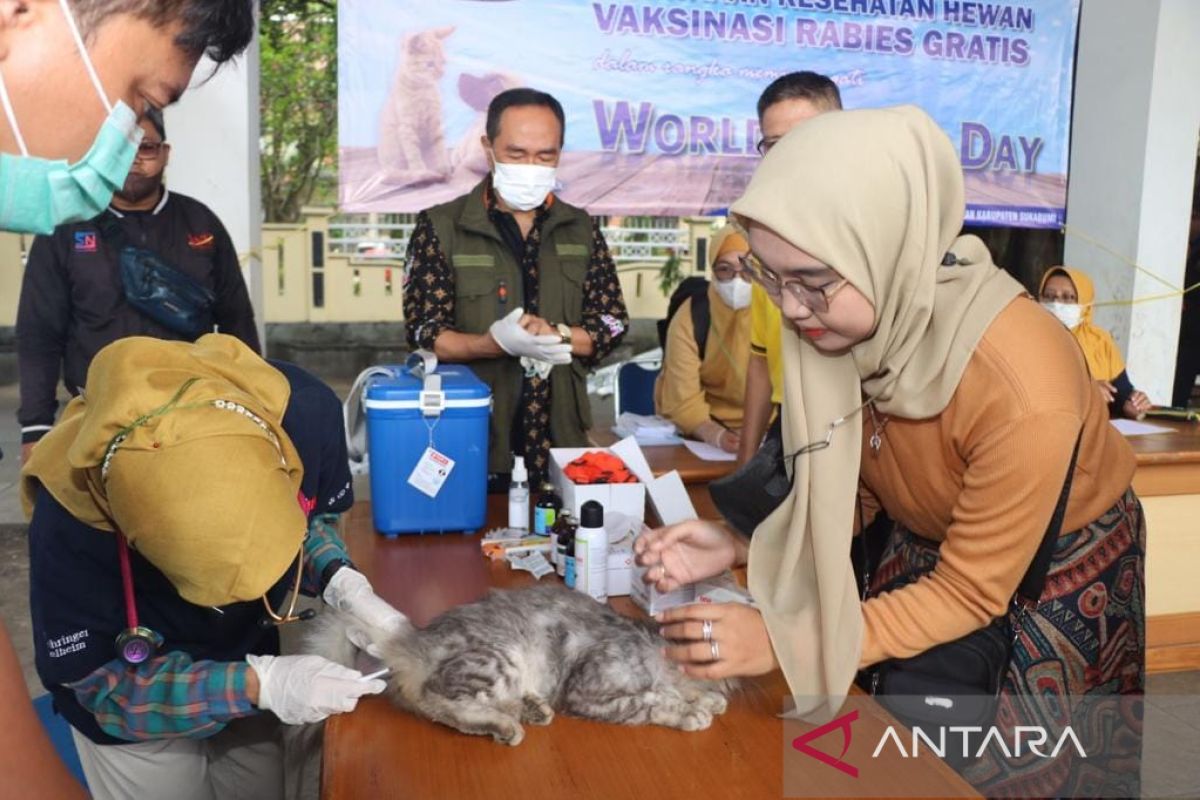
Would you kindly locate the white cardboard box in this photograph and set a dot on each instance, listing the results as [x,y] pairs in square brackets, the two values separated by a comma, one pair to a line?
[626,498]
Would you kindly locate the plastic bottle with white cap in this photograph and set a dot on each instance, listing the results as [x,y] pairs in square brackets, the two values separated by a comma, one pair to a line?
[591,552]
[518,496]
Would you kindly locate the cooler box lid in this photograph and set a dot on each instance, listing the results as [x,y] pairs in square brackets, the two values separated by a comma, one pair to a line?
[402,391]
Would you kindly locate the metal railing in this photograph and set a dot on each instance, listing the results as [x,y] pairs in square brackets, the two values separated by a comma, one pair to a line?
[386,238]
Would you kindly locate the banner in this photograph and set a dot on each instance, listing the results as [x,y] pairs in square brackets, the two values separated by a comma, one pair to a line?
[660,94]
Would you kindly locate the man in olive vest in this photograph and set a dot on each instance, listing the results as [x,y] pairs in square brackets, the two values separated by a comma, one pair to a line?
[518,285]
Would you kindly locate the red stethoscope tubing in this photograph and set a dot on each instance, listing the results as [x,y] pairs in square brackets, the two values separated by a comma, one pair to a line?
[131,619]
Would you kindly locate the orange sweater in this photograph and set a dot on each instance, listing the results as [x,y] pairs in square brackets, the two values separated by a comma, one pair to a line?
[983,478]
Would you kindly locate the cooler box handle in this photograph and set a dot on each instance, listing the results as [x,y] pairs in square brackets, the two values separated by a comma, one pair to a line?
[422,364]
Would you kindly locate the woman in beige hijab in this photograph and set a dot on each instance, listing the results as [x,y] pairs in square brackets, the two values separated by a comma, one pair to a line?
[923,373]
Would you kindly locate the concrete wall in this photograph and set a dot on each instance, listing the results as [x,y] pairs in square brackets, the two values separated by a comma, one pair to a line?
[1135,125]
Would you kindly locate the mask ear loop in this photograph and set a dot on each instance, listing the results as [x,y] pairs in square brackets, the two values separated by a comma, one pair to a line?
[83,53]
[12,118]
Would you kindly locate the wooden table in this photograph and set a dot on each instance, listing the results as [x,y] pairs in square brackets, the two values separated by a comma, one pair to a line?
[1168,483]
[664,458]
[1168,463]
[379,751]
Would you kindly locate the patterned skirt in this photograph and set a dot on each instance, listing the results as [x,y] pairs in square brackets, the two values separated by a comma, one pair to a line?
[1079,659]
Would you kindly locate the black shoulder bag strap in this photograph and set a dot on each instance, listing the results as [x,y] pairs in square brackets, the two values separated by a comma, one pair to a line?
[1030,588]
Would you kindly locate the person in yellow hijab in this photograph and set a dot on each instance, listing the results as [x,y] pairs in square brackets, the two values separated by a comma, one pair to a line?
[1069,295]
[917,369]
[177,508]
[702,393]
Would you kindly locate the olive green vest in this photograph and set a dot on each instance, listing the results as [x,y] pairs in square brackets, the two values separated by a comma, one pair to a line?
[487,280]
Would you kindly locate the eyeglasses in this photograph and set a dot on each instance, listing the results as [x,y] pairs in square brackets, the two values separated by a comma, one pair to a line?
[814,298]
[766,144]
[150,149]
[291,615]
[726,272]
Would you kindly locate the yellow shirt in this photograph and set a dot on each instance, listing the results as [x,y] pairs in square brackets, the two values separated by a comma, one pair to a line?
[765,325]
[690,392]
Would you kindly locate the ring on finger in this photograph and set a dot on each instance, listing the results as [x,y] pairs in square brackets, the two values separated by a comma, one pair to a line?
[706,630]
[714,650]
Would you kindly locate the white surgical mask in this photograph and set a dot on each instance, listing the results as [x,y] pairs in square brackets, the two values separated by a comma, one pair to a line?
[735,292]
[1069,314]
[523,187]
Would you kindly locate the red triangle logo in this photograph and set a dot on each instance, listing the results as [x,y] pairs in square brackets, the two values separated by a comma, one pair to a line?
[842,723]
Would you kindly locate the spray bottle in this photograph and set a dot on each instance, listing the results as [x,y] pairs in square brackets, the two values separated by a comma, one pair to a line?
[518,496]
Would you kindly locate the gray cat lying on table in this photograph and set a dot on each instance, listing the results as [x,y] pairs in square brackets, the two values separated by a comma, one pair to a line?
[520,655]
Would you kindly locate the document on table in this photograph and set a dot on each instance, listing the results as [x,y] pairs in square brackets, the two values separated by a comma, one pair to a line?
[1131,427]
[706,452]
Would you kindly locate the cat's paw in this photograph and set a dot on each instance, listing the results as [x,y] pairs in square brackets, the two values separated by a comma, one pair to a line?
[713,702]
[510,734]
[696,719]
[536,711]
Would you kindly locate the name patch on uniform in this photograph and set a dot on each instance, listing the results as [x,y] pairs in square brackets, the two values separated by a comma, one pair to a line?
[571,249]
[201,241]
[86,242]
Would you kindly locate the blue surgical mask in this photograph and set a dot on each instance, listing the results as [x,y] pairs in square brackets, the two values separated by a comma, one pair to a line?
[38,194]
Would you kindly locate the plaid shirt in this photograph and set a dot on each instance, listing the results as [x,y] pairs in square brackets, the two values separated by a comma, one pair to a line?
[173,696]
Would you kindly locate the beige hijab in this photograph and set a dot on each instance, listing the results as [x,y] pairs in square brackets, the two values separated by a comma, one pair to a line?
[878,196]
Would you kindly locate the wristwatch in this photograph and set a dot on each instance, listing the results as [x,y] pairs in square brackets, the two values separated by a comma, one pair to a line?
[565,332]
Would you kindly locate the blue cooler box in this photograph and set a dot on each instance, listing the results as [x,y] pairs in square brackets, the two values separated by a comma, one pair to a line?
[401,411]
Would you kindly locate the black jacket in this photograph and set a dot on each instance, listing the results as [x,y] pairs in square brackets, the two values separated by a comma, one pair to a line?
[72,302]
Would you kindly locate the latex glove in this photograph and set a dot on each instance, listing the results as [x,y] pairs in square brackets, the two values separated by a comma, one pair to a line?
[516,341]
[349,591]
[304,689]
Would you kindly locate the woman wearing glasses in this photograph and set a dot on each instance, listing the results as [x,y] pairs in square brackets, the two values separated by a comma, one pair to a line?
[701,387]
[926,373]
[177,510]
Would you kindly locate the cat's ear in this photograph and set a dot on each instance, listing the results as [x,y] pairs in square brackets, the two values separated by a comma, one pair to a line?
[445,32]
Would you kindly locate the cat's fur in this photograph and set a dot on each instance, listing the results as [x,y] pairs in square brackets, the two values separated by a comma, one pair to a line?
[519,656]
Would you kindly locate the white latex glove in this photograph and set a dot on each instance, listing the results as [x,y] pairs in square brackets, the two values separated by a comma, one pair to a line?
[518,342]
[304,689]
[349,591]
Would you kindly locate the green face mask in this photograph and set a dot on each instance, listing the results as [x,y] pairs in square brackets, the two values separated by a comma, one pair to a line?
[38,194]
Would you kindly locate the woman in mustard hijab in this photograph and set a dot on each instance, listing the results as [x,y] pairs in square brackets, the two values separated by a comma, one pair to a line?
[918,370]
[703,393]
[178,507]
[1069,295]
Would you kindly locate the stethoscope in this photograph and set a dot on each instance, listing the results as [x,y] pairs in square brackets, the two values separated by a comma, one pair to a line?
[137,644]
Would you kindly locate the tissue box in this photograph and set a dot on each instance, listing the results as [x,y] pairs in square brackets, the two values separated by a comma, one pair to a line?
[651,600]
[624,498]
[723,588]
[620,571]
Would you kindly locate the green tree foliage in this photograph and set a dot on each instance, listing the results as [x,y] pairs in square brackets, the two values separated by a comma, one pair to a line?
[298,102]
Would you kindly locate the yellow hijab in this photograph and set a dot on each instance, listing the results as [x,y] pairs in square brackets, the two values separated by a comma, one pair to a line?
[180,447]
[1103,358]
[877,195]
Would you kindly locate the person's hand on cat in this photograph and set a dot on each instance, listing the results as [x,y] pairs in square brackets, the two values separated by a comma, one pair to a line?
[736,643]
[687,552]
[350,591]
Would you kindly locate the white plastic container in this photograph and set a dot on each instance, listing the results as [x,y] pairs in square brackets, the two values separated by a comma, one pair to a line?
[518,496]
[591,552]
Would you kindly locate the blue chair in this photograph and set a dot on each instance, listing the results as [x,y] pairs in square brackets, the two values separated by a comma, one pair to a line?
[634,390]
[59,731]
